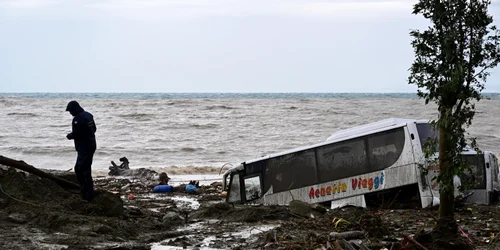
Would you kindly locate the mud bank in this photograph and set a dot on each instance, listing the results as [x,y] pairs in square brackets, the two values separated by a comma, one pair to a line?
[35,213]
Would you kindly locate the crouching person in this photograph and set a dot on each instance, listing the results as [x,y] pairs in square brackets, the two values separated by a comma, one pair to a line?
[193,187]
[163,186]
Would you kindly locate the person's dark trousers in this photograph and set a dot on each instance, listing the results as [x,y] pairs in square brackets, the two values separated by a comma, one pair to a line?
[83,170]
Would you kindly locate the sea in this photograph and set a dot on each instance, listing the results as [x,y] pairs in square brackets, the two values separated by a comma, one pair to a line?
[197,131]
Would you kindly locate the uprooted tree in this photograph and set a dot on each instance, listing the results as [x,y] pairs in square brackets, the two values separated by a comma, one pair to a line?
[452,59]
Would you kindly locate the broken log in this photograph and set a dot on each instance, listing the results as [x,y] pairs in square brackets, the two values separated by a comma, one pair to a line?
[407,237]
[346,235]
[30,169]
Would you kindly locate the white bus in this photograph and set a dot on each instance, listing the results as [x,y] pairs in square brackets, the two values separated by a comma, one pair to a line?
[353,164]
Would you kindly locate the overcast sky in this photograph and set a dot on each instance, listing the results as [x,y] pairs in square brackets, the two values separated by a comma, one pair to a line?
[209,46]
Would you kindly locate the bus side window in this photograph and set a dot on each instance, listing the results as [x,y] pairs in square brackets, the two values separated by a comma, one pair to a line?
[385,148]
[342,160]
[292,171]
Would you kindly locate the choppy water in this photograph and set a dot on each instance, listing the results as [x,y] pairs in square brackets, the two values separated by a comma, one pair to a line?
[162,130]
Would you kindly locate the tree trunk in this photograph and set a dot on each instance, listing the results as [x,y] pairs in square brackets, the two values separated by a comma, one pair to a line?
[446,219]
[30,169]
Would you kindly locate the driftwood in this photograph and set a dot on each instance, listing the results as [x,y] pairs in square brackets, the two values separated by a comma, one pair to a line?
[123,165]
[30,169]
[346,235]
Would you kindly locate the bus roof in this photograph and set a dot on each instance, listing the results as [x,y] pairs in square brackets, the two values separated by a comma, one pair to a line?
[362,129]
[347,134]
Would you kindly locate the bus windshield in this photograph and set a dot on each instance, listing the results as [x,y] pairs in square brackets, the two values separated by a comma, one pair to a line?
[474,176]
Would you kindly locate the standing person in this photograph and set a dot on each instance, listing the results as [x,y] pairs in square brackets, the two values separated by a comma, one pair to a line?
[83,133]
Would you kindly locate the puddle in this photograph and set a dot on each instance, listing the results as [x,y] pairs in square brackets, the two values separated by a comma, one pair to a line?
[186,202]
[154,196]
[192,227]
[155,210]
[51,246]
[204,242]
[249,231]
[160,247]
[207,241]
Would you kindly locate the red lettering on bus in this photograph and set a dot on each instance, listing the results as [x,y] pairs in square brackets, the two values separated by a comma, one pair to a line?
[311,193]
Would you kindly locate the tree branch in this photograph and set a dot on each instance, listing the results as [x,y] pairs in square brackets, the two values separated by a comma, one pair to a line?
[491,65]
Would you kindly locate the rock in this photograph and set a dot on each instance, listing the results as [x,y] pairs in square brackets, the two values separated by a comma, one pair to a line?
[172,218]
[135,211]
[305,209]
[17,218]
[319,208]
[103,229]
[107,204]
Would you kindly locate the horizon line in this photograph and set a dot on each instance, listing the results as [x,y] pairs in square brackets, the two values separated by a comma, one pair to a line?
[161,92]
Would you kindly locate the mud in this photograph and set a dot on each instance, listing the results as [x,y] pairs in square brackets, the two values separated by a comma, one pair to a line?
[36,213]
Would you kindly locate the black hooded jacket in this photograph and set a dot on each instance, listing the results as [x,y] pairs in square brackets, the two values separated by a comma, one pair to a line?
[83,128]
